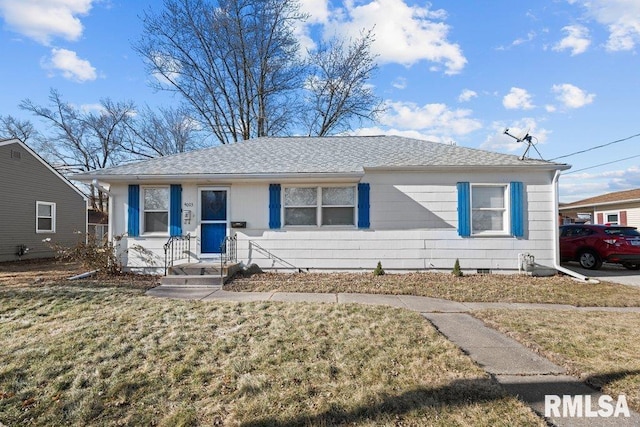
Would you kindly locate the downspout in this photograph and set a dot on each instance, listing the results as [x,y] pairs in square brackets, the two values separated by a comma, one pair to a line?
[556,236]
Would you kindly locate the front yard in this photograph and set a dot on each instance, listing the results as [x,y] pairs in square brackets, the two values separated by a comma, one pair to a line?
[100,352]
[81,354]
[601,348]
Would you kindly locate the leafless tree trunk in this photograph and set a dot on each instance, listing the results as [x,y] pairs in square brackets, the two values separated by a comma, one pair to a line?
[83,141]
[337,87]
[168,131]
[235,63]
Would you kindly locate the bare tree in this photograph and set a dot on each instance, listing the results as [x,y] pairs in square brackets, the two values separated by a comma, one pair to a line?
[11,127]
[167,131]
[83,140]
[337,86]
[235,62]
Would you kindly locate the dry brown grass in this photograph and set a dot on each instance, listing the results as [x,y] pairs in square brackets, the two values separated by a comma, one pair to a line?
[600,347]
[51,272]
[477,288]
[86,354]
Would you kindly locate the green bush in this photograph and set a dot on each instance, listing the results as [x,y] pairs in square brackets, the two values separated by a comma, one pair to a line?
[456,269]
[379,271]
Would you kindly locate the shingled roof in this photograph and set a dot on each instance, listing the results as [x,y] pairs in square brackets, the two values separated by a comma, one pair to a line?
[605,199]
[309,155]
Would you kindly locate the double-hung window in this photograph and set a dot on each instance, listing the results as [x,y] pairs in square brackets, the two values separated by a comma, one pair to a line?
[45,217]
[612,218]
[155,205]
[319,206]
[489,209]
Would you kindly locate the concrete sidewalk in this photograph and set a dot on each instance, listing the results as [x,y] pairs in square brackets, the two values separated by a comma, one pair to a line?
[520,371]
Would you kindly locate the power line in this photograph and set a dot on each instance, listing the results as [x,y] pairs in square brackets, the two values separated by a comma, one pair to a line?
[596,147]
[602,164]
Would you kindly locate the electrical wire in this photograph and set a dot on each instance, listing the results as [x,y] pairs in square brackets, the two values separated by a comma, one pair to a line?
[602,164]
[596,147]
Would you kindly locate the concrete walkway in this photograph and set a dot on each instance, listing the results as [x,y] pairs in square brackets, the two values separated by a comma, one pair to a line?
[519,370]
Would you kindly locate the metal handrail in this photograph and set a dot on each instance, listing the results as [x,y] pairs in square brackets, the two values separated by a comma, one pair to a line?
[270,255]
[175,249]
[228,252]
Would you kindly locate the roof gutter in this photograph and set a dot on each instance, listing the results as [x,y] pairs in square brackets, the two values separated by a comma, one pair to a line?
[356,176]
[423,168]
[595,205]
[556,236]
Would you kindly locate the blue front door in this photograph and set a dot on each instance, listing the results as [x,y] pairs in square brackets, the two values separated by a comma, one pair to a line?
[213,220]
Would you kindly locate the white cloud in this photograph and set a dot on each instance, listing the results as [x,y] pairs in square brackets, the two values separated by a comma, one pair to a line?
[72,67]
[572,96]
[434,118]
[530,36]
[399,83]
[317,10]
[577,40]
[398,132]
[499,141]
[581,185]
[517,99]
[42,20]
[170,66]
[403,34]
[622,18]
[466,95]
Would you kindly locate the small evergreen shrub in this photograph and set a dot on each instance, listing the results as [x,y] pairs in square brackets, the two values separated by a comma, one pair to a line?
[379,271]
[456,269]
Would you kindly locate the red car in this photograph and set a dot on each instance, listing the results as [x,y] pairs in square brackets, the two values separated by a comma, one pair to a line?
[591,245]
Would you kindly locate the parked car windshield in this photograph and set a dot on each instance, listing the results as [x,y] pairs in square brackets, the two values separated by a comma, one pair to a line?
[622,231]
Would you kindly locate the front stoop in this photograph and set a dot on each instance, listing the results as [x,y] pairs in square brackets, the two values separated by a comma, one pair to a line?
[199,274]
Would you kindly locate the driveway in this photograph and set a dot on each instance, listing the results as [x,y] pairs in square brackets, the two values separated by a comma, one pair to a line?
[609,272]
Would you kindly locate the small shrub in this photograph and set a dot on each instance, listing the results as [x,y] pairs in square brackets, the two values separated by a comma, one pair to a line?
[379,271]
[456,269]
[91,254]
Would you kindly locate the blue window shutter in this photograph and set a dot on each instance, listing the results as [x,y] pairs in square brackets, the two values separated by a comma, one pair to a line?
[133,226]
[175,210]
[274,206]
[517,209]
[363,205]
[464,209]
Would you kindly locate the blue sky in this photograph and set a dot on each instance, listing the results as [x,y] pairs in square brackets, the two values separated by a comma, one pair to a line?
[450,71]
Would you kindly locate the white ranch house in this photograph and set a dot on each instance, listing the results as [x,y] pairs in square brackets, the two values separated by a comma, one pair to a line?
[338,203]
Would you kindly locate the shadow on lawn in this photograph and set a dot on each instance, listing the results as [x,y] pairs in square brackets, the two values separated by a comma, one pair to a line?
[458,393]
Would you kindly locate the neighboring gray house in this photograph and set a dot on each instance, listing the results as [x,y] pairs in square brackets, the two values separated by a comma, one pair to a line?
[338,203]
[36,203]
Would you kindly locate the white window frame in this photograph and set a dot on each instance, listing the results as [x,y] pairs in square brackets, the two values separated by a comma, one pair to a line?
[319,206]
[606,214]
[143,211]
[53,217]
[506,220]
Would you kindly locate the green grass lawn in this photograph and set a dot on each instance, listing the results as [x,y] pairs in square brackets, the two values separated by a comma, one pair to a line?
[476,288]
[95,354]
[600,347]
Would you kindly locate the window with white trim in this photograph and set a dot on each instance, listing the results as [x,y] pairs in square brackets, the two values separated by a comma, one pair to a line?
[319,206]
[155,209]
[612,218]
[45,217]
[489,209]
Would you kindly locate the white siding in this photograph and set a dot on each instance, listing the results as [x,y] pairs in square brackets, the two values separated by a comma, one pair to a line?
[413,227]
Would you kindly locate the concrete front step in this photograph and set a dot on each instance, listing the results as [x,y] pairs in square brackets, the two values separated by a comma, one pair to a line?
[203,269]
[187,280]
